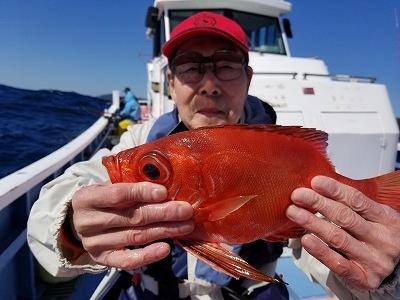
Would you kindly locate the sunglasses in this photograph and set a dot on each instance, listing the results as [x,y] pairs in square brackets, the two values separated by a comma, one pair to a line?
[190,67]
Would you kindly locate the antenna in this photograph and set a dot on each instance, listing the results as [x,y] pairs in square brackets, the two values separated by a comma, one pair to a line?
[140,55]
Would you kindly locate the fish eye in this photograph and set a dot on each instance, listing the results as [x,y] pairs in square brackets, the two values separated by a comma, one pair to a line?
[151,171]
[155,167]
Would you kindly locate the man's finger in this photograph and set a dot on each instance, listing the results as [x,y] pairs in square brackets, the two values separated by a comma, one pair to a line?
[127,259]
[125,237]
[119,195]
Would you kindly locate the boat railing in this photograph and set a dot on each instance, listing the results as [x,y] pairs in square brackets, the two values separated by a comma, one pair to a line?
[292,74]
[18,192]
[336,77]
[340,77]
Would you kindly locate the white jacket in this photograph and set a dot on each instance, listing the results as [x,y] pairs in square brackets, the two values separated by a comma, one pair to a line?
[49,211]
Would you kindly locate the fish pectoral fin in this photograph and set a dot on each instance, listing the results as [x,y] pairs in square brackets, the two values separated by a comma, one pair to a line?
[221,209]
[223,260]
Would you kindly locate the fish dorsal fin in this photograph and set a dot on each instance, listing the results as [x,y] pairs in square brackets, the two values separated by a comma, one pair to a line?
[316,138]
[221,209]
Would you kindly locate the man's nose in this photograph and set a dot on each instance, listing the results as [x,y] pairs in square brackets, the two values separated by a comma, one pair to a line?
[209,83]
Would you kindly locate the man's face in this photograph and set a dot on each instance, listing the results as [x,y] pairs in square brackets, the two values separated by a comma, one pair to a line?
[210,100]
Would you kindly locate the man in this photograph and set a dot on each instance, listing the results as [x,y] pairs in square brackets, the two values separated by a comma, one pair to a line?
[93,225]
[131,111]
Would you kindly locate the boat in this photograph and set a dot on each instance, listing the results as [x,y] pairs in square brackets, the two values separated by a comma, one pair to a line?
[354,110]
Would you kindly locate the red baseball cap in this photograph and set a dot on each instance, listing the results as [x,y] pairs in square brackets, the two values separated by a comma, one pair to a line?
[205,23]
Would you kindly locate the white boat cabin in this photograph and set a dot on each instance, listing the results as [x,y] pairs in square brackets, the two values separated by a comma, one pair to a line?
[355,111]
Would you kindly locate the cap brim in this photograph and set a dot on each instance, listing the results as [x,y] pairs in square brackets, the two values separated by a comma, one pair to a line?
[174,43]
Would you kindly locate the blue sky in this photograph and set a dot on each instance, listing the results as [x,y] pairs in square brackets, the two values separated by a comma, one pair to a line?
[93,47]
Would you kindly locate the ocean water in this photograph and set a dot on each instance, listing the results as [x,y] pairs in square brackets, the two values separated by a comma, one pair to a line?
[35,123]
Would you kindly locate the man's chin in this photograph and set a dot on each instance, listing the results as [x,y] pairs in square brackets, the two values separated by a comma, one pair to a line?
[203,120]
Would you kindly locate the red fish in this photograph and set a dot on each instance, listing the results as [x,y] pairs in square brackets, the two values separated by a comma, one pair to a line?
[239,179]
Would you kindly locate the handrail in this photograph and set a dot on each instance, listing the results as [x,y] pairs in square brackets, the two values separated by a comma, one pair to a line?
[342,77]
[21,181]
[293,74]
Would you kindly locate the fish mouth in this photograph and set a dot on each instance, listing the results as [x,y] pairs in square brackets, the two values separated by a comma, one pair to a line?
[113,168]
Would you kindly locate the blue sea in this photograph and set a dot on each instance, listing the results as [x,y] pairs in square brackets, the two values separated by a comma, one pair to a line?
[35,123]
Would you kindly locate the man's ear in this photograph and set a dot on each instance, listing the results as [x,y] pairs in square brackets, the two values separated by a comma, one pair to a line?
[249,73]
[171,84]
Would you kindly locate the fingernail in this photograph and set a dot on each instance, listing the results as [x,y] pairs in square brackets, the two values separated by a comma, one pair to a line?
[158,194]
[162,251]
[298,196]
[301,196]
[184,213]
[180,212]
[291,212]
[320,182]
[154,193]
[296,214]
[186,228]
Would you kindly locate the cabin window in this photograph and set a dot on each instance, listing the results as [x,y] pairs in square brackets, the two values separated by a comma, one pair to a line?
[263,33]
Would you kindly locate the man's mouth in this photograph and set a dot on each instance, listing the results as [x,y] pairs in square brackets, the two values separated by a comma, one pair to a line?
[210,111]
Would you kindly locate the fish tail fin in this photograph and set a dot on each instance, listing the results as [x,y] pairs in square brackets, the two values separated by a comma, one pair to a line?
[388,189]
[224,260]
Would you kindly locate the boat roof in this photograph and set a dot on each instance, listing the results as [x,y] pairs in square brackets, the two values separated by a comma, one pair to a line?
[264,7]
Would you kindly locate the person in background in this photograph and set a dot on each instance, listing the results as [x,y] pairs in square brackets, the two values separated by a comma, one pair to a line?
[82,223]
[131,111]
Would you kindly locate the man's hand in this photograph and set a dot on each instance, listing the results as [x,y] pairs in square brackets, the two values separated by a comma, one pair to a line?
[111,220]
[365,234]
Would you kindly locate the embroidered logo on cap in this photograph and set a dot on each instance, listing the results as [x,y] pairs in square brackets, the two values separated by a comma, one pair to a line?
[204,20]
